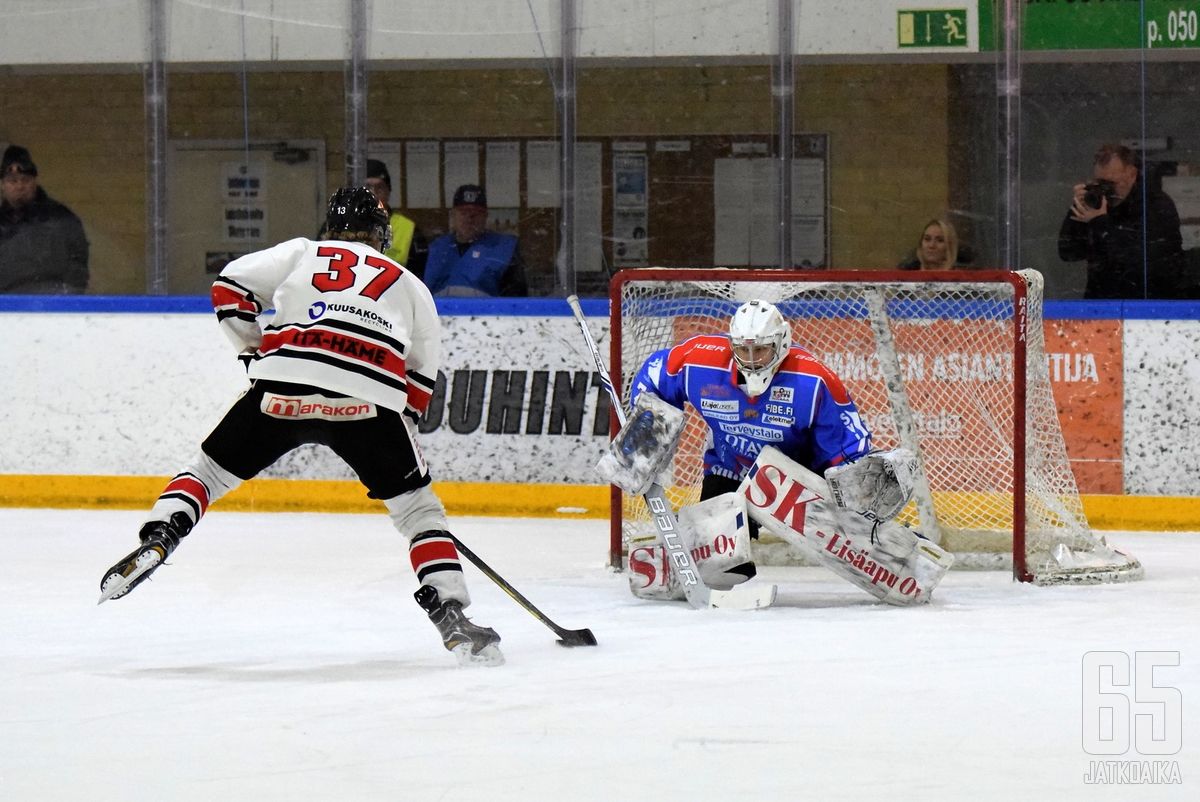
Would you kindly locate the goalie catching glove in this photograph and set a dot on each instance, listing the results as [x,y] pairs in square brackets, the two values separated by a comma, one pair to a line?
[644,446]
[878,484]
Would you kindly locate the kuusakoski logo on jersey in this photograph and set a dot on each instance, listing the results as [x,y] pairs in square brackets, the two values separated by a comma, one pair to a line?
[319,308]
[781,394]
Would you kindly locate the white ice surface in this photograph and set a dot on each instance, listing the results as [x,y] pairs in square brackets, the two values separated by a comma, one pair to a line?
[281,657]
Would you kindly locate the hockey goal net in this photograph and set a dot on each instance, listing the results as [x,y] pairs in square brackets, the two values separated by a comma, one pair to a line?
[951,365]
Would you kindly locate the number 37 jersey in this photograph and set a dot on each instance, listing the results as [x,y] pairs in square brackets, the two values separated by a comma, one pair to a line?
[805,412]
[346,319]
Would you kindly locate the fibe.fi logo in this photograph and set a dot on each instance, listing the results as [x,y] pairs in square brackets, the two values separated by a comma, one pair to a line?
[1130,709]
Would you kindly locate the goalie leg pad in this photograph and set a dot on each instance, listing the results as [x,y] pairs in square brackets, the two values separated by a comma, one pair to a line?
[889,561]
[644,446]
[715,531]
[650,574]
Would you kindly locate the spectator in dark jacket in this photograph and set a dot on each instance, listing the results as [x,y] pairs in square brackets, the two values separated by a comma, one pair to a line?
[42,245]
[1128,233]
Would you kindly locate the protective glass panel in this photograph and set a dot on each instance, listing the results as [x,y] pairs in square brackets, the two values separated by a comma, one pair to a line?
[1108,163]
[72,134]
[754,133]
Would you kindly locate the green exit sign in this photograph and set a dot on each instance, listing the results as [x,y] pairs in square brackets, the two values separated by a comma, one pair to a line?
[932,27]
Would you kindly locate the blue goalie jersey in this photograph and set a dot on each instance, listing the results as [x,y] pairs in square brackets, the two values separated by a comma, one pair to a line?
[805,412]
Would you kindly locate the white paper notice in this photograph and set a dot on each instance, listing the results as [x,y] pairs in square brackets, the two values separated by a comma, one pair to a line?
[808,241]
[503,174]
[421,175]
[808,187]
[541,174]
[461,167]
[244,182]
[629,237]
[731,202]
[589,250]
[764,205]
[629,181]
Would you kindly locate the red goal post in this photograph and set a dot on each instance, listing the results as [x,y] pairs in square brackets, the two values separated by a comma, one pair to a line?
[950,364]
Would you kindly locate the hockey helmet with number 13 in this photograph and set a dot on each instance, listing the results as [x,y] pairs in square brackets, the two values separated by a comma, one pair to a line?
[357,210]
[760,338]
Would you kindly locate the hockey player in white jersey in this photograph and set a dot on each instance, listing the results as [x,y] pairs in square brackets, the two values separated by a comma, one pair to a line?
[348,360]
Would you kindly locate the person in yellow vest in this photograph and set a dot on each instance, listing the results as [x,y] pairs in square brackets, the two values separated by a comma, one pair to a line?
[409,246]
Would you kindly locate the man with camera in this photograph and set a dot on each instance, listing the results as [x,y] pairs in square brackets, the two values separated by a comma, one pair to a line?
[1127,232]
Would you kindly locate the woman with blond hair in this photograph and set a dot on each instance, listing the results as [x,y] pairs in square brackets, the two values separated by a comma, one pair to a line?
[937,249]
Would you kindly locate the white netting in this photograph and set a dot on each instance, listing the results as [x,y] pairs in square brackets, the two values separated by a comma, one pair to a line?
[932,365]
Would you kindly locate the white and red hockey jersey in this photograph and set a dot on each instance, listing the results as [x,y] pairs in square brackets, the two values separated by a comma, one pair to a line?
[346,319]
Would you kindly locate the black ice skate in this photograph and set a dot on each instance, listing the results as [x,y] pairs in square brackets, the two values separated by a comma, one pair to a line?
[470,643]
[159,539]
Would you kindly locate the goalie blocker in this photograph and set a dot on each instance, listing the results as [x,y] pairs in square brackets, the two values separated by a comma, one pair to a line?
[644,446]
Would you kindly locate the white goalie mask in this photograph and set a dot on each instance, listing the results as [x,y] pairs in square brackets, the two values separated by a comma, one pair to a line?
[760,338]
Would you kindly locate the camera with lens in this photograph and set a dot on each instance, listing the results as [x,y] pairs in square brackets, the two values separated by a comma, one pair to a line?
[1095,192]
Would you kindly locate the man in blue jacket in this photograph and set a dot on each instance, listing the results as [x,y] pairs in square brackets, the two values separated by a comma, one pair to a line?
[470,260]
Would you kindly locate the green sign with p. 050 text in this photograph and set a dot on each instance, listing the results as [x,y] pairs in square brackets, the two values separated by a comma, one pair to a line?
[1098,24]
[931,27]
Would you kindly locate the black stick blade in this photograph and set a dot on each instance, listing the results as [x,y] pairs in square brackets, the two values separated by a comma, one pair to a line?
[577,637]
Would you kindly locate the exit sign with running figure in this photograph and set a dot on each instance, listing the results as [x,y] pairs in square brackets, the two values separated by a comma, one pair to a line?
[933,27]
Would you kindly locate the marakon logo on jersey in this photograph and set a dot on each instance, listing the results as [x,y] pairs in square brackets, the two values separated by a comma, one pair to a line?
[781,394]
[309,407]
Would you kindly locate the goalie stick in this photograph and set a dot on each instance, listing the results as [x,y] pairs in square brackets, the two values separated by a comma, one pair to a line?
[698,594]
[567,637]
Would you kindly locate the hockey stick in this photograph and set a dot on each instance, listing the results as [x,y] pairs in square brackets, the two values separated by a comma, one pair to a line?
[698,594]
[567,637]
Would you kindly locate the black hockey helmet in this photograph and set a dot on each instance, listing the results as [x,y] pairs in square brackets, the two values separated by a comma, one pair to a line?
[356,209]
